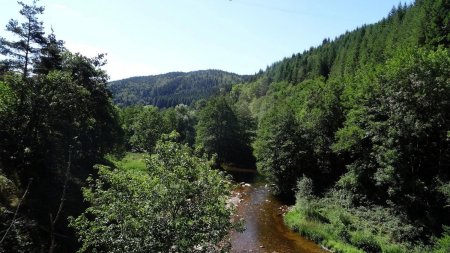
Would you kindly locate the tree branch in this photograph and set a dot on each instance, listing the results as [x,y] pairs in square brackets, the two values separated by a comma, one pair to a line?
[17,211]
[61,204]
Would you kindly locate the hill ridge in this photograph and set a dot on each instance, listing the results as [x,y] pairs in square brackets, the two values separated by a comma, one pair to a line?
[172,88]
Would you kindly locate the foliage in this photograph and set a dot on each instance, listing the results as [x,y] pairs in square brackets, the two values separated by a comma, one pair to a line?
[131,161]
[443,243]
[395,143]
[404,148]
[23,236]
[144,125]
[221,131]
[344,229]
[445,190]
[6,98]
[279,151]
[304,189]
[181,119]
[54,125]
[25,50]
[127,117]
[177,205]
[147,129]
[171,89]
[365,114]
[435,28]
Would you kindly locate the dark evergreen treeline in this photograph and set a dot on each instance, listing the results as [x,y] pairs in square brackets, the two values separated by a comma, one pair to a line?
[359,128]
[171,89]
[424,23]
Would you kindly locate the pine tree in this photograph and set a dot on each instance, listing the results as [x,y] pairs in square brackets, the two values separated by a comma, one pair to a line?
[25,50]
[51,57]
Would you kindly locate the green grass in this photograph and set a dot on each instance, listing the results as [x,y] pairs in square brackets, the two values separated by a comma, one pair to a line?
[317,231]
[131,161]
[351,230]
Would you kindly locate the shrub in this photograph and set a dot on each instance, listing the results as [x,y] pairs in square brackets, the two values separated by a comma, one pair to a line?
[177,205]
[365,241]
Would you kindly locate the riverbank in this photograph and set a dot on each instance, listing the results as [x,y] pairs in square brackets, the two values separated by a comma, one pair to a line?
[353,229]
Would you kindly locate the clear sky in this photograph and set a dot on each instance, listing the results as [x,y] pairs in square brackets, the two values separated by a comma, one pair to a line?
[146,37]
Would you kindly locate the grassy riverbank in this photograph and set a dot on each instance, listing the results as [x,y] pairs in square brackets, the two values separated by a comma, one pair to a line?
[344,228]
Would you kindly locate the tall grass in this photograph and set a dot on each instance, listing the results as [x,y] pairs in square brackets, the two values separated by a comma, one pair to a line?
[341,228]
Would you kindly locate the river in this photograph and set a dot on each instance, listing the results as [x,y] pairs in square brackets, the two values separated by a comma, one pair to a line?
[265,230]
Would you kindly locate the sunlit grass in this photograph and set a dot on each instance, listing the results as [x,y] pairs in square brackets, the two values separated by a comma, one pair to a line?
[131,161]
[343,230]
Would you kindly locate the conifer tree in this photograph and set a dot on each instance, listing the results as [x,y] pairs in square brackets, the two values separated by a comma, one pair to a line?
[22,52]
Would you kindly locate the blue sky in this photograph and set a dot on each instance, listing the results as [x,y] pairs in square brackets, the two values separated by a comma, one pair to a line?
[146,37]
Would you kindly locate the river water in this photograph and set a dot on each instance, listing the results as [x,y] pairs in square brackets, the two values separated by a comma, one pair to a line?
[265,230]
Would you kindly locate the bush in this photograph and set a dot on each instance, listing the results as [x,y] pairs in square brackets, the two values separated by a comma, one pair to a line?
[365,241]
[177,205]
[304,188]
[332,222]
[443,243]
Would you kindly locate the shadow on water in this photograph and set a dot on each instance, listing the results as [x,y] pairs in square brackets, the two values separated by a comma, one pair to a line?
[265,230]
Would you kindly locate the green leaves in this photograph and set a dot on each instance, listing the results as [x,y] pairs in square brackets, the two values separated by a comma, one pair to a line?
[397,134]
[7,98]
[222,131]
[178,205]
[31,37]
[279,149]
[147,128]
[62,113]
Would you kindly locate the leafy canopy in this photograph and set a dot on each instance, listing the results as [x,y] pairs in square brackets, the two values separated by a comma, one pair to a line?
[177,205]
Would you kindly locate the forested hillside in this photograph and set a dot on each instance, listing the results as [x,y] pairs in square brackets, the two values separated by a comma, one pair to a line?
[405,26]
[358,130]
[168,90]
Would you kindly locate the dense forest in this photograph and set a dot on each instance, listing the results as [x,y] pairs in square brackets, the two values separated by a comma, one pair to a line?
[356,131]
[62,188]
[171,89]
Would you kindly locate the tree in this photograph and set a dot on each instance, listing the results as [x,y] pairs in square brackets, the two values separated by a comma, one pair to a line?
[219,132]
[128,116]
[246,135]
[51,55]
[62,113]
[412,149]
[31,37]
[282,151]
[186,121]
[398,135]
[435,29]
[178,205]
[147,129]
[102,129]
